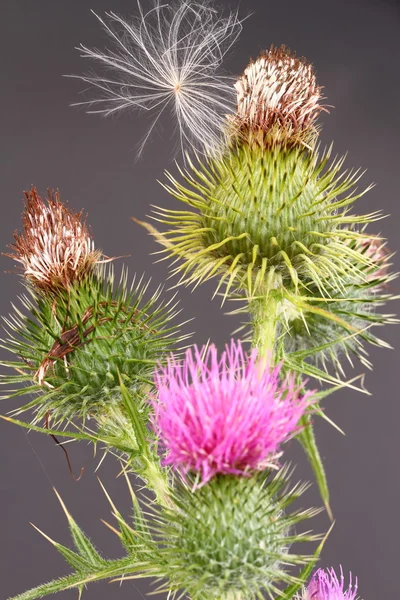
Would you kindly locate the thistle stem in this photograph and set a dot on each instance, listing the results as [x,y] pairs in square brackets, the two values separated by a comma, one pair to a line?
[156,480]
[264,312]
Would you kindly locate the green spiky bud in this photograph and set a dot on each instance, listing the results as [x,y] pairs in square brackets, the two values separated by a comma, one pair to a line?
[264,218]
[79,337]
[324,329]
[72,353]
[269,212]
[230,538]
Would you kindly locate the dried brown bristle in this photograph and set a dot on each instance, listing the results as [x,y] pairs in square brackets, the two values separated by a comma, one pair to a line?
[55,247]
[278,92]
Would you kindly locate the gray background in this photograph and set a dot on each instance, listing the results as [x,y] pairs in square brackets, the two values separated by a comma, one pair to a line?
[354,45]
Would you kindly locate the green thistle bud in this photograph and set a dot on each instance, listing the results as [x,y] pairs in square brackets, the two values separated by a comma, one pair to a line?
[230,539]
[324,329]
[264,218]
[72,353]
[269,212]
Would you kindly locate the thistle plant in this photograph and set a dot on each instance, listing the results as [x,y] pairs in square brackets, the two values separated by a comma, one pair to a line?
[268,214]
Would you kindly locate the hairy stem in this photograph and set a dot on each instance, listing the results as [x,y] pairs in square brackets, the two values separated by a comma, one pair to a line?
[156,478]
[264,312]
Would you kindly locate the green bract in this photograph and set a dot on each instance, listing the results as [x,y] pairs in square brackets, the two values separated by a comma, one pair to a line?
[73,350]
[263,218]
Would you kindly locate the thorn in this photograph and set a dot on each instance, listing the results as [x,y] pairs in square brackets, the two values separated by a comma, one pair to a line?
[107,496]
[118,533]
[330,513]
[67,514]
[44,535]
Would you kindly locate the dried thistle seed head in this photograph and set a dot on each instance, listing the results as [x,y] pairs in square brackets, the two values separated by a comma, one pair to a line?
[168,58]
[55,247]
[278,95]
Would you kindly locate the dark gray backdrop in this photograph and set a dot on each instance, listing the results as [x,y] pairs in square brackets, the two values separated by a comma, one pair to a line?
[355,47]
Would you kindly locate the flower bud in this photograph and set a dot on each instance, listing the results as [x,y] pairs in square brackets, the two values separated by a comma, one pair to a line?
[264,218]
[230,539]
[78,334]
[328,328]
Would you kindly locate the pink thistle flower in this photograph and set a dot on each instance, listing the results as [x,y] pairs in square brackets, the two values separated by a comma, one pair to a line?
[325,585]
[224,415]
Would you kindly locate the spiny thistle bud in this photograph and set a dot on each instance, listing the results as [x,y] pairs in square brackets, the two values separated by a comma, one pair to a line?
[277,99]
[230,539]
[73,355]
[74,348]
[323,329]
[226,414]
[265,218]
[325,585]
[55,247]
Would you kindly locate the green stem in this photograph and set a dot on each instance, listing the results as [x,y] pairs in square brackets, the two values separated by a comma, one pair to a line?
[264,312]
[156,479]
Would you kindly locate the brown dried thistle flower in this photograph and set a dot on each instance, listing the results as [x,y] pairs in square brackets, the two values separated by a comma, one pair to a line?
[55,247]
[278,95]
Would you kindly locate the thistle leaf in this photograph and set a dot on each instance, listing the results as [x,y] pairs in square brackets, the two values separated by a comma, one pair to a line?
[308,441]
[85,548]
[78,581]
[138,425]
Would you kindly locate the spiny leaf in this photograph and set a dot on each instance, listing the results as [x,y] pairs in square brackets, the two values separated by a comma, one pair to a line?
[82,543]
[308,441]
[74,560]
[77,581]
[58,432]
[127,535]
[137,421]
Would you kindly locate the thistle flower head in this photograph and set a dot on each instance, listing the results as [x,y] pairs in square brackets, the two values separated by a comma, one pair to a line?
[278,92]
[326,585]
[168,57]
[375,249]
[55,247]
[226,414]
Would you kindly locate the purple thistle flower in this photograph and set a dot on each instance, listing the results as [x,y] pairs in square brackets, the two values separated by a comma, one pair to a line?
[325,585]
[224,415]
